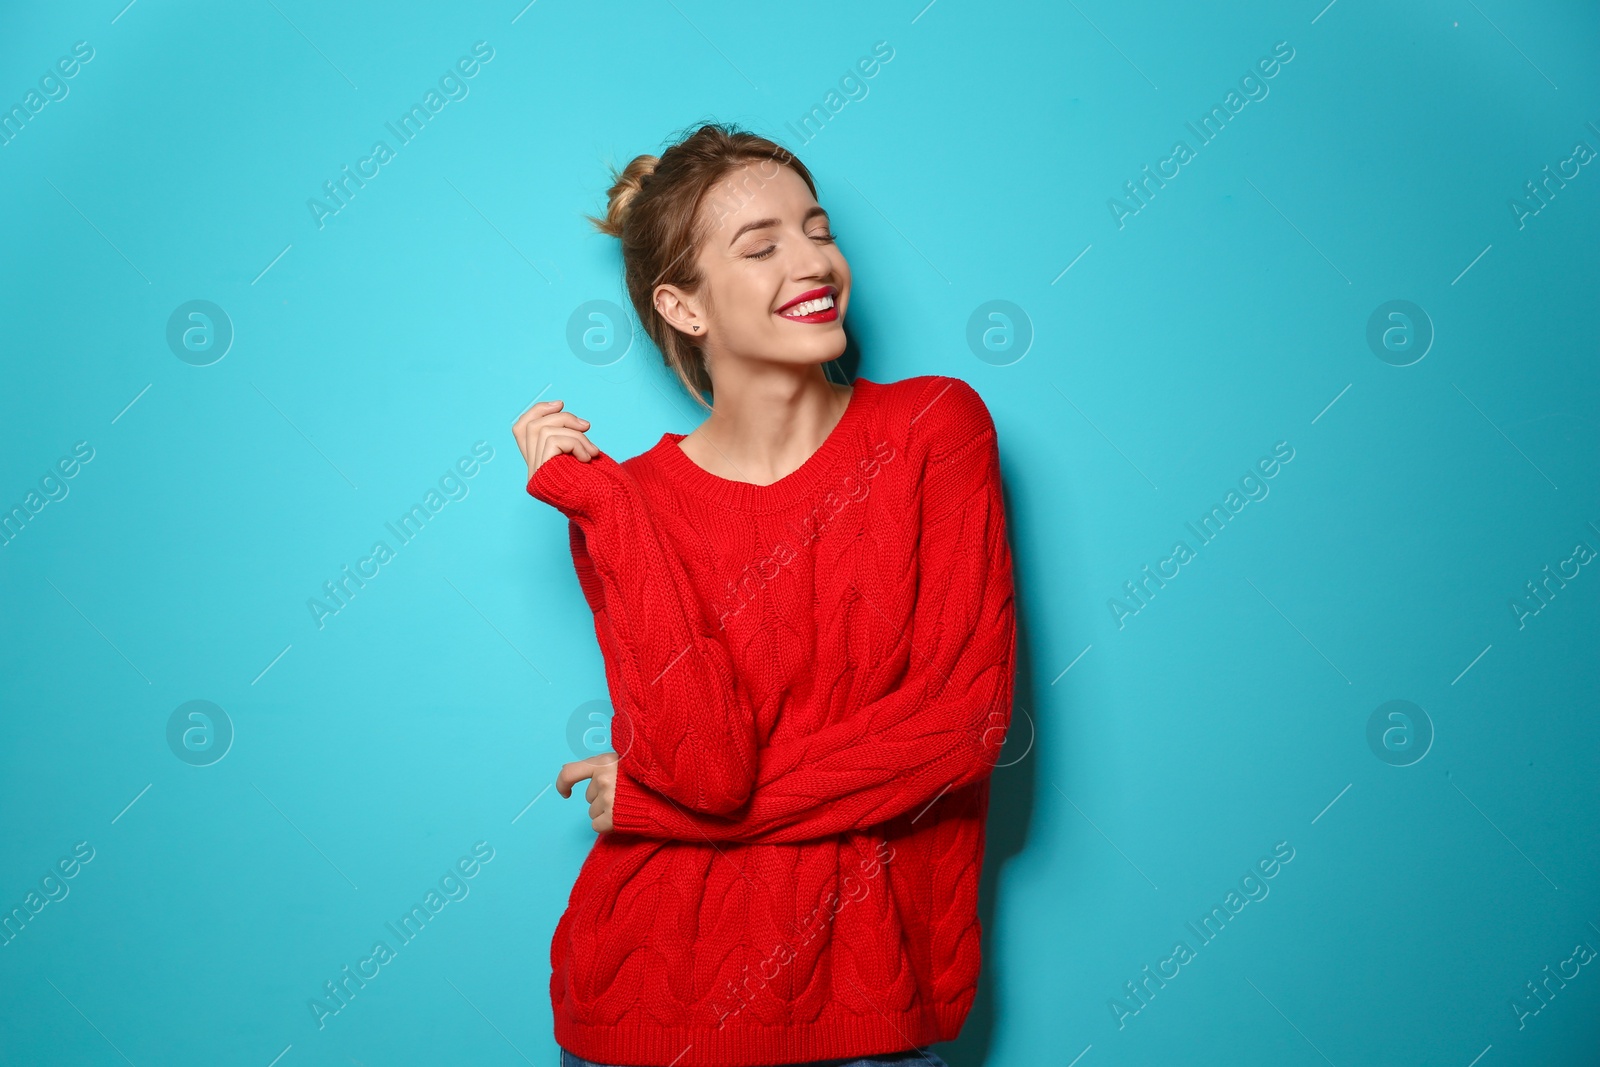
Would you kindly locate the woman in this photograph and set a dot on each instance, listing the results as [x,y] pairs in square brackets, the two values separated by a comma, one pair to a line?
[805,611]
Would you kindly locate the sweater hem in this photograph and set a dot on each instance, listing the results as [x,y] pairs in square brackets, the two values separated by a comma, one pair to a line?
[644,1042]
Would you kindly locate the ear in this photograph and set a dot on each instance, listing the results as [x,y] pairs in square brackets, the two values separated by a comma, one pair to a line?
[680,310]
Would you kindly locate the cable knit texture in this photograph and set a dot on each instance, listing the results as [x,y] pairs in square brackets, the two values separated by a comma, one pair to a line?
[811,681]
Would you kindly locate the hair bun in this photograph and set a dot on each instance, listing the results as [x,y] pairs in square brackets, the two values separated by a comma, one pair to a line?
[625,187]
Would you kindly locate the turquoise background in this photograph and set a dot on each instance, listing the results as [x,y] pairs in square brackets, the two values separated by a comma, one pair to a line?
[1234,711]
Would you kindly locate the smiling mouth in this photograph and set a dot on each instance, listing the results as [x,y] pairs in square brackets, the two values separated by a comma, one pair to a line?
[821,309]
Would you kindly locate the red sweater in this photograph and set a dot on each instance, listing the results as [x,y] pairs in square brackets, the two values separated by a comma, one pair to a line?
[811,681]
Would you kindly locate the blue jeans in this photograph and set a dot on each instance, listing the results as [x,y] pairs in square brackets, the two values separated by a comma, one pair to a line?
[911,1058]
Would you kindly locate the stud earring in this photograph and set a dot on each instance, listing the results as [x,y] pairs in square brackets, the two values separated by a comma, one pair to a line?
[697,328]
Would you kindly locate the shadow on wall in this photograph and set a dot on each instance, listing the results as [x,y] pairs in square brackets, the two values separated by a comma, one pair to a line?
[1012,794]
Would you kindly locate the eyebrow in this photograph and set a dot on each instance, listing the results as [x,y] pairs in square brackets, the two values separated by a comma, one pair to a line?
[761,224]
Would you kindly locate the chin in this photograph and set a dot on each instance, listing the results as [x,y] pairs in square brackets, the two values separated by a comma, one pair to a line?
[822,346]
[822,350]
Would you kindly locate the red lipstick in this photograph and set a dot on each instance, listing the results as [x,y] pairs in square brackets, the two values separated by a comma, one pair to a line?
[827,314]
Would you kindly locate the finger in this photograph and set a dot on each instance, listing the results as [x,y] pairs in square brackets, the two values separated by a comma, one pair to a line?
[570,775]
[573,443]
[552,445]
[561,418]
[577,428]
[573,427]
[536,409]
[563,431]
[527,434]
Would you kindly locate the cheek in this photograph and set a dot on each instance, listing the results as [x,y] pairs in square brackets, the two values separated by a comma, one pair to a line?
[841,267]
[742,317]
[749,305]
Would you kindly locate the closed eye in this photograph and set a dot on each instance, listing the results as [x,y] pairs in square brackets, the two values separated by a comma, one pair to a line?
[824,238]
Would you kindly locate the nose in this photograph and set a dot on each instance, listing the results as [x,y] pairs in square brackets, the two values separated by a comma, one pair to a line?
[811,261]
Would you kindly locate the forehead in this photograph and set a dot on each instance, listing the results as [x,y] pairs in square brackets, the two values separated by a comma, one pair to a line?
[756,190]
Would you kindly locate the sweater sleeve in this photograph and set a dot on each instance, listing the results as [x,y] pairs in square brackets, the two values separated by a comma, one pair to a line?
[683,725]
[942,726]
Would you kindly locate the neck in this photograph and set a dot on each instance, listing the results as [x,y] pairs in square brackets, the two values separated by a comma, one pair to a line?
[766,421]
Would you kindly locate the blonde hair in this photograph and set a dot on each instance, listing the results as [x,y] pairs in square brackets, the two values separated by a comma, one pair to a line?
[654,208]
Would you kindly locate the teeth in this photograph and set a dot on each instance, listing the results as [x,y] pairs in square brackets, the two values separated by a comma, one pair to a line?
[810,307]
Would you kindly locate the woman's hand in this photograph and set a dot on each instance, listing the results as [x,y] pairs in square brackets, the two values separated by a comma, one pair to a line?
[601,770]
[545,430]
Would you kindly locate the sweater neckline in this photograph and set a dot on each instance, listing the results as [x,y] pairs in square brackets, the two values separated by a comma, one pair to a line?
[687,473]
